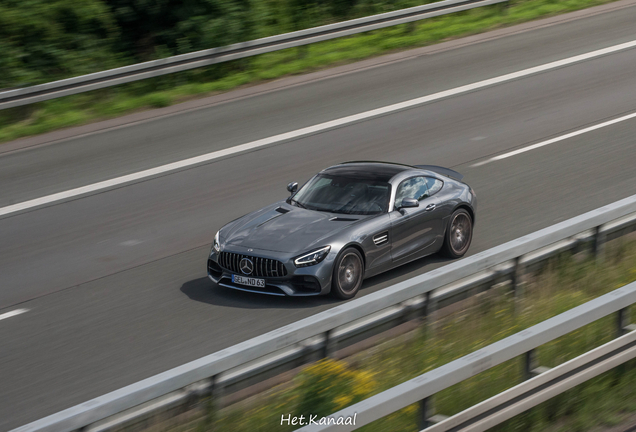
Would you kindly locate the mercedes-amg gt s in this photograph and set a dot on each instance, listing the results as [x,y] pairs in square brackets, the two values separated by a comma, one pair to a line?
[349,222]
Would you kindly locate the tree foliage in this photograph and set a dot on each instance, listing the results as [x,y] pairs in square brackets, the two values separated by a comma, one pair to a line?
[155,28]
[41,40]
[45,40]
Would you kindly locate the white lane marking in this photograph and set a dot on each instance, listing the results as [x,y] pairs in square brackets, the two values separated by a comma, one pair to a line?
[13,313]
[557,139]
[309,130]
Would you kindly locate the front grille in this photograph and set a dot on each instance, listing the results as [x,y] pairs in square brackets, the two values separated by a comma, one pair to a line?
[263,267]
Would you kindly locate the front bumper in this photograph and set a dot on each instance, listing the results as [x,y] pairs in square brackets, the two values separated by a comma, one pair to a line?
[291,281]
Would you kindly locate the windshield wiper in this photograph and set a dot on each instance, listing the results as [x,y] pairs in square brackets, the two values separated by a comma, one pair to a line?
[298,204]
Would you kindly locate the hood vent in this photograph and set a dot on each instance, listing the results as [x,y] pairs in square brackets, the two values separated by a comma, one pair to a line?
[342,219]
[382,238]
[282,210]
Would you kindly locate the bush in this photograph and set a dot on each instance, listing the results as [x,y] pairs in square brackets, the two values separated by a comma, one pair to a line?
[330,385]
[44,40]
[153,29]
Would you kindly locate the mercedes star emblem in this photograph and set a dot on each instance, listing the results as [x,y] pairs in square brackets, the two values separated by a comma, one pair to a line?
[246,265]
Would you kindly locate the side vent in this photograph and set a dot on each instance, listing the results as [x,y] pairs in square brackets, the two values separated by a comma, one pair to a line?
[282,210]
[382,238]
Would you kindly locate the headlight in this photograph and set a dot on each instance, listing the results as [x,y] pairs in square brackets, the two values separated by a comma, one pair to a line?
[216,246]
[313,257]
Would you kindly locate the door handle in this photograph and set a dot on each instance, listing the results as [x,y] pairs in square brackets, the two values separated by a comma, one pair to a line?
[430,207]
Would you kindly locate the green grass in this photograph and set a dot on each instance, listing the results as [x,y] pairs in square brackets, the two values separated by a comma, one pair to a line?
[566,283]
[164,91]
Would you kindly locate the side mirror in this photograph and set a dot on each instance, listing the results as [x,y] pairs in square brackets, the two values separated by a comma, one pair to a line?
[292,187]
[409,203]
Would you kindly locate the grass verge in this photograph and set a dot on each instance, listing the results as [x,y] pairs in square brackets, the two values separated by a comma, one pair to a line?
[567,282]
[164,91]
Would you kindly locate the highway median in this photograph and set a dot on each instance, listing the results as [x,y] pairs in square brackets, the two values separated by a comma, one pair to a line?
[179,87]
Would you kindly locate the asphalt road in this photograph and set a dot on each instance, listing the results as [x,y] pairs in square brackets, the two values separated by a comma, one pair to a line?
[114,282]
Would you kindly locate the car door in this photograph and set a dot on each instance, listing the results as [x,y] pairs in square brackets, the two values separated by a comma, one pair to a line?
[414,230]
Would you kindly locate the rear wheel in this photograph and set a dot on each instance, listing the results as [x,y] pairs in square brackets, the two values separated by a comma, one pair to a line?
[459,234]
[348,271]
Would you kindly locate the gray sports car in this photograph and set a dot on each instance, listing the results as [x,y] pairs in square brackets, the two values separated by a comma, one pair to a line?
[349,222]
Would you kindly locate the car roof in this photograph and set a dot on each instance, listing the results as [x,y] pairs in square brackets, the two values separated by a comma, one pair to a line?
[368,170]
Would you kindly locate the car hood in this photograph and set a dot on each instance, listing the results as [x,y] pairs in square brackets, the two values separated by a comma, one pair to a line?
[285,228]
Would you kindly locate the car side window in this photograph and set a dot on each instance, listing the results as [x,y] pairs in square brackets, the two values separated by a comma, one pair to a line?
[434,185]
[415,188]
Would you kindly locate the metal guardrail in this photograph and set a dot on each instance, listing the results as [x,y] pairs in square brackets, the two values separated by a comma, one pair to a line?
[418,295]
[112,77]
[517,399]
[544,386]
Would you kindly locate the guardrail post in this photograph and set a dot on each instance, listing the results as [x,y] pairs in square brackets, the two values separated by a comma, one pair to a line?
[599,244]
[213,404]
[622,327]
[426,404]
[328,347]
[425,411]
[429,309]
[217,388]
[529,364]
[622,321]
[517,278]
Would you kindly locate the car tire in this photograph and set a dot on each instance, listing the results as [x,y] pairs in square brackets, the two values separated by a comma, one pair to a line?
[348,272]
[459,234]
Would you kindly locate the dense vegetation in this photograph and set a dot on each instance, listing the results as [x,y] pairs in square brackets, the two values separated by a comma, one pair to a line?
[46,40]
[43,40]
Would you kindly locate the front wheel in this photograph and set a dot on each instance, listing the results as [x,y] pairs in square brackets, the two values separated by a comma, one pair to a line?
[458,235]
[348,271]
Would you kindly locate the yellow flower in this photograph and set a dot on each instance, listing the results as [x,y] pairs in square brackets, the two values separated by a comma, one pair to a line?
[343,401]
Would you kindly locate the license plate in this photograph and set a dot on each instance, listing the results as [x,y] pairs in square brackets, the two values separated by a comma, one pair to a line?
[253,282]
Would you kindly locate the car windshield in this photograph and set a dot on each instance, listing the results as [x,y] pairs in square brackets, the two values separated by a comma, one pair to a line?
[337,194]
